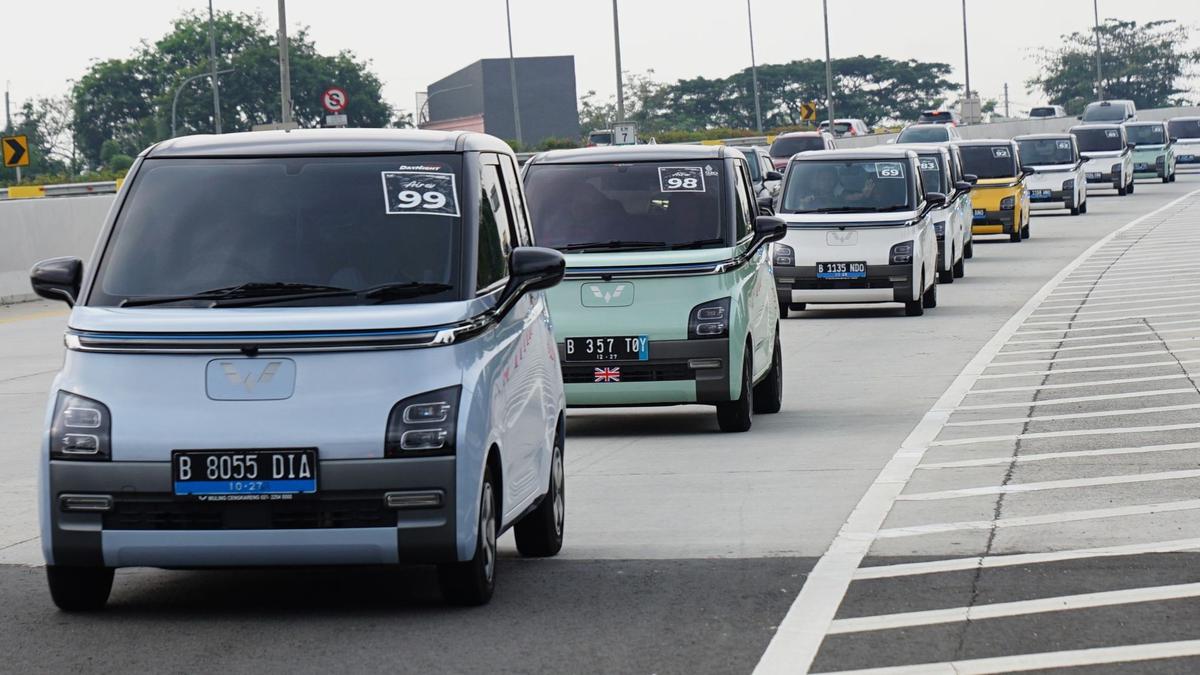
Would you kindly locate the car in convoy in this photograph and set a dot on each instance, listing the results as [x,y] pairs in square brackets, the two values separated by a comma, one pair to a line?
[928,133]
[600,138]
[1153,151]
[787,144]
[957,178]
[317,347]
[1107,157]
[669,296]
[1117,111]
[1058,180]
[952,220]
[1185,133]
[763,174]
[940,117]
[847,126]
[1043,112]
[999,200]
[860,230]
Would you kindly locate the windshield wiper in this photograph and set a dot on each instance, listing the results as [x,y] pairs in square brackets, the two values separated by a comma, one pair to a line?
[615,244]
[383,293]
[271,289]
[699,243]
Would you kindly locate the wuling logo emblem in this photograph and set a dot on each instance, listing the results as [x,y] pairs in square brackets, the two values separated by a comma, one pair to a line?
[607,374]
[607,294]
[250,380]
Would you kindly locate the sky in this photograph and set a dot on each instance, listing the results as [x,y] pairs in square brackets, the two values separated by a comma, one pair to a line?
[412,43]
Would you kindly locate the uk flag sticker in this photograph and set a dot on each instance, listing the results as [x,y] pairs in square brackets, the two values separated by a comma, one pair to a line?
[607,374]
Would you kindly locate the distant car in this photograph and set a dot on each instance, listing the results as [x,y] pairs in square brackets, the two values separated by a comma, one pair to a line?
[929,133]
[1058,181]
[763,174]
[1117,111]
[1185,132]
[848,126]
[952,220]
[1107,156]
[940,117]
[1153,151]
[999,200]
[600,138]
[1047,112]
[786,145]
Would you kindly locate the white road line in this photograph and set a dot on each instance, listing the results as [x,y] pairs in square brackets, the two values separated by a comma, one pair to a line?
[992,561]
[997,610]
[1067,433]
[1076,416]
[1090,369]
[1033,362]
[1117,311]
[1101,284]
[1042,519]
[1042,661]
[1140,324]
[1051,456]
[1079,348]
[1059,340]
[1117,294]
[802,629]
[1129,317]
[1078,399]
[1077,385]
[1066,484]
[1149,298]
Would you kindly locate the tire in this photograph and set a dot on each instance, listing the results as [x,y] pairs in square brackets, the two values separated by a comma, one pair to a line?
[947,276]
[1083,207]
[930,297]
[1025,230]
[540,533]
[1131,187]
[768,394]
[785,309]
[1076,210]
[1015,237]
[915,307]
[960,268]
[1166,179]
[969,251]
[472,582]
[1173,176]
[79,589]
[737,416]
[1121,192]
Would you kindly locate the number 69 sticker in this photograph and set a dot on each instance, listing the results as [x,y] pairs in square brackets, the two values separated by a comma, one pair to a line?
[409,193]
[681,179]
[889,170]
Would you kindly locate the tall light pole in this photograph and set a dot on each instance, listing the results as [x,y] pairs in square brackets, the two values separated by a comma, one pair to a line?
[512,74]
[212,72]
[1099,74]
[754,68]
[966,53]
[828,69]
[620,81]
[285,70]
[182,86]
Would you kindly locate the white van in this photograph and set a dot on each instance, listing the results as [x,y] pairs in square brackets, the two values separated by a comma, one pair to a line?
[1107,157]
[1059,180]
[951,221]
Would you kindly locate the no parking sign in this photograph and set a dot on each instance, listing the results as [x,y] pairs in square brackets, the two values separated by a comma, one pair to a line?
[334,100]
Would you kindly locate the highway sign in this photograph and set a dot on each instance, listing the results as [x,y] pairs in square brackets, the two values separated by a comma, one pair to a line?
[16,151]
[625,133]
[334,100]
[808,111]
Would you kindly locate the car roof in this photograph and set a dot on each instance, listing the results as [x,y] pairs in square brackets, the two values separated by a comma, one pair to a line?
[1096,126]
[857,153]
[634,153]
[1045,137]
[1144,123]
[304,142]
[802,134]
[923,148]
[747,148]
[983,142]
[1190,118]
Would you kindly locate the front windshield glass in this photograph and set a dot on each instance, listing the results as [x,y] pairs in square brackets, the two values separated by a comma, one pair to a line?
[752,162]
[933,173]
[286,226]
[848,186]
[628,206]
[1184,128]
[786,147]
[1040,151]
[1146,134]
[989,161]
[1099,140]
[1104,113]
[924,133]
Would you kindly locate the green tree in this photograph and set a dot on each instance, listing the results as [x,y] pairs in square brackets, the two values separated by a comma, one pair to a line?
[1144,62]
[47,156]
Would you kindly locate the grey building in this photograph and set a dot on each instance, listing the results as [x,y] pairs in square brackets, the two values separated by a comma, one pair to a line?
[479,98]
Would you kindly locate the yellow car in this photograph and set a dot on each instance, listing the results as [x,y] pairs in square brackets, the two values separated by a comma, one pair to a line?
[999,199]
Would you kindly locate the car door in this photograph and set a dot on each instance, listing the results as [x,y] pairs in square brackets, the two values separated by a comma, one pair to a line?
[761,291]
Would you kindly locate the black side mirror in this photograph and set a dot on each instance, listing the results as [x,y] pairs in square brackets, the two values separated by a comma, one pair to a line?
[971,178]
[1174,139]
[1028,171]
[963,186]
[772,175]
[935,199]
[1131,146]
[533,268]
[57,279]
[766,206]
[769,228]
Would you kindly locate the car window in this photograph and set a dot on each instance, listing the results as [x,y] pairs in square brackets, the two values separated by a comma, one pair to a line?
[766,165]
[848,186]
[746,205]
[495,230]
[934,174]
[786,147]
[989,161]
[512,189]
[1146,134]
[1096,112]
[924,133]
[752,163]
[1184,128]
[1039,151]
[1099,140]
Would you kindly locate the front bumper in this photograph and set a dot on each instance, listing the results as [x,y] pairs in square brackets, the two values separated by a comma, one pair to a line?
[884,283]
[676,372]
[1106,179]
[1058,199]
[994,222]
[1156,169]
[347,522]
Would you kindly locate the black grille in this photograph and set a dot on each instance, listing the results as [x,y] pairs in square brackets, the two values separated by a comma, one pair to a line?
[164,512]
[826,284]
[642,372]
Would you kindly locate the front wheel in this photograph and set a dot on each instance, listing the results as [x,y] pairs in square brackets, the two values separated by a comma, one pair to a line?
[1132,185]
[947,276]
[540,534]
[768,394]
[472,582]
[916,307]
[79,589]
[969,251]
[1083,207]
[737,416]
[930,297]
[960,269]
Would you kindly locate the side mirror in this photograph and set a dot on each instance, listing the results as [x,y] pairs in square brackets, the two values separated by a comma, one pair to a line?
[963,186]
[1079,117]
[1131,146]
[971,178]
[772,175]
[1028,171]
[57,279]
[935,199]
[769,228]
[766,206]
[1174,139]
[533,268]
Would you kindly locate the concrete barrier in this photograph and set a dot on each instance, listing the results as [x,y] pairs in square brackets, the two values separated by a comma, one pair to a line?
[35,229]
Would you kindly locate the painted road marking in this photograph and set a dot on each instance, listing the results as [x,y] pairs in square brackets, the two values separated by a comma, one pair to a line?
[1117,294]
[1095,383]
[1066,484]
[1076,416]
[1078,399]
[1050,456]
[1068,433]
[1030,362]
[1089,369]
[1106,345]
[1082,312]
[1142,299]
[1139,324]
[1043,519]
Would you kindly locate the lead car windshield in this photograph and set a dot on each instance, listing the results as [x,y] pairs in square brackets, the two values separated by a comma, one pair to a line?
[848,186]
[989,161]
[1047,151]
[312,231]
[643,206]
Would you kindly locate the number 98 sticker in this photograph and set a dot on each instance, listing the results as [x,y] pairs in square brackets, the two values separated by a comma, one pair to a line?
[681,179]
[410,193]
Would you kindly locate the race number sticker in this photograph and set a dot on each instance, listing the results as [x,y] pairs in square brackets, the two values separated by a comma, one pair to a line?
[410,193]
[1001,153]
[889,169]
[929,164]
[681,179]
[1112,133]
[1064,145]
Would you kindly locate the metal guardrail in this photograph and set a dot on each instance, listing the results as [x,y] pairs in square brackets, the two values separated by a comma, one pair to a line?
[106,187]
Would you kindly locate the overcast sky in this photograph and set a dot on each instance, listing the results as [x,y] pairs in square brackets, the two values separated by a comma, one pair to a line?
[413,43]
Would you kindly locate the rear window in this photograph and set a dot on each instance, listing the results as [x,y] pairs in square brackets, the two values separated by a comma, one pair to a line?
[752,162]
[933,173]
[786,147]
[989,161]
[1040,151]
[940,116]
[601,138]
[1184,128]
[1099,140]
[1043,112]
[1146,134]
[628,206]
[924,133]
[848,186]
[1106,112]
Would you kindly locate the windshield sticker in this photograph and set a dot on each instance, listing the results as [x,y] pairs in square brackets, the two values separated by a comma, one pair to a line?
[709,171]
[928,164]
[410,193]
[420,167]
[1001,153]
[1112,133]
[1064,145]
[681,179]
[889,169]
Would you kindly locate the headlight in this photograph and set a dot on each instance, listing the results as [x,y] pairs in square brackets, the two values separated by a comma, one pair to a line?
[940,230]
[1008,203]
[901,254]
[423,425]
[784,255]
[1115,169]
[81,429]
[709,320]
[1069,185]
[1160,160]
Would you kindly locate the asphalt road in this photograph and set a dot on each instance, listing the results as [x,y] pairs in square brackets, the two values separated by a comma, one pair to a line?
[686,548]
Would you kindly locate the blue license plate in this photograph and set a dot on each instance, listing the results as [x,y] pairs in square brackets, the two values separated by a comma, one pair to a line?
[253,473]
[980,214]
[1040,195]
[842,270]
[1141,167]
[1187,158]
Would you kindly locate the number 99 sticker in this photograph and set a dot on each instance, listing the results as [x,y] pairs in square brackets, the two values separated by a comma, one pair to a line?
[681,179]
[410,193]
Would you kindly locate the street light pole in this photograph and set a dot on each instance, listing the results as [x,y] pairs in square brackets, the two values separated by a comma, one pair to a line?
[285,74]
[754,68]
[828,69]
[1099,74]
[182,86]
[966,53]
[512,74]
[212,71]
[620,82]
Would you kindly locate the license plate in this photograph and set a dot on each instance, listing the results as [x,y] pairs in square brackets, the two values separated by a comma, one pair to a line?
[611,348]
[1141,167]
[842,270]
[1187,158]
[1039,194]
[1095,176]
[244,472]
[980,214]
